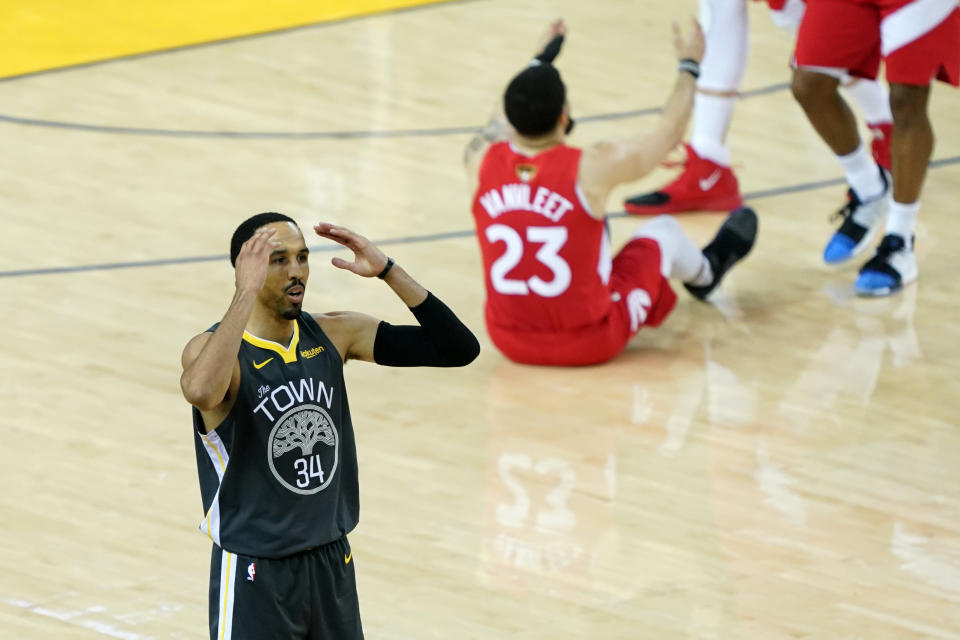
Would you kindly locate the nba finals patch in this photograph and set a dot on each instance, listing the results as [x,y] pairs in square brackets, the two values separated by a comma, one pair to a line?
[251,572]
[526,172]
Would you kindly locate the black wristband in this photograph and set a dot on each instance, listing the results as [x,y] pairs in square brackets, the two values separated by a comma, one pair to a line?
[386,269]
[689,65]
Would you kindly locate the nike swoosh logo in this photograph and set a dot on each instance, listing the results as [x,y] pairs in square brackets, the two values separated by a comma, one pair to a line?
[346,559]
[707,183]
[261,365]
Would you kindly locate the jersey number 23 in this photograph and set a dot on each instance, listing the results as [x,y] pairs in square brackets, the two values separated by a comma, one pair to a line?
[551,240]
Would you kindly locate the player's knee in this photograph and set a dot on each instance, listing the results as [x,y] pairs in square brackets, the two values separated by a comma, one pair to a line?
[810,88]
[908,103]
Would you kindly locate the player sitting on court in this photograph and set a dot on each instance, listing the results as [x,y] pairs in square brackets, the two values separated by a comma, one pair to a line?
[555,294]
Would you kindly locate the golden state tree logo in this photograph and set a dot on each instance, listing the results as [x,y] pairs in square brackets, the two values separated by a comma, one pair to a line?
[303,449]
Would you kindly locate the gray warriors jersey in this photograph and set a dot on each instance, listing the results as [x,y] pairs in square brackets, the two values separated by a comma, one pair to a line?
[279,474]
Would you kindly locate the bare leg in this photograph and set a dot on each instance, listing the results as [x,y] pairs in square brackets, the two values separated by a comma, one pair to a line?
[818,95]
[894,264]
[912,140]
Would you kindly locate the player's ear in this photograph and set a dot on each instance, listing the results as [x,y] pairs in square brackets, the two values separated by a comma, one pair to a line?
[566,120]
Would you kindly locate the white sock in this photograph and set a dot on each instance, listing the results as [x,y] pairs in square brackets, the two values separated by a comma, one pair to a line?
[863,174]
[680,258]
[872,100]
[704,275]
[902,218]
[711,119]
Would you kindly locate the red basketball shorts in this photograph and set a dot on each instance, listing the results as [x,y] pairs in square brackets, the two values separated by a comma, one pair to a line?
[640,295]
[919,39]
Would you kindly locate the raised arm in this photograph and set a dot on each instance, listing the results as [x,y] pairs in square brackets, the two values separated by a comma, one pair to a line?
[210,367]
[607,164]
[497,128]
[440,340]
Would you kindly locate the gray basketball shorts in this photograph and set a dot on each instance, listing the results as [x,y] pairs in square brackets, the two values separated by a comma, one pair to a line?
[309,596]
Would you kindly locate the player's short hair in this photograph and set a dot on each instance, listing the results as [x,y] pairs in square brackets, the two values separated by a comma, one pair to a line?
[534,100]
[247,228]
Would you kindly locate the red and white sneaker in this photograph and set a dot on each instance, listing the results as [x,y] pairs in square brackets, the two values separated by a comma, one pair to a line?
[880,145]
[703,185]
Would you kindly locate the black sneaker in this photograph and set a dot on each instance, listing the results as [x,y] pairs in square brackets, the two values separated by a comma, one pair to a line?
[733,241]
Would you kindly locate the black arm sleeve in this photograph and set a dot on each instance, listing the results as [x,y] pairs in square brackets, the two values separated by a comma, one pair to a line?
[551,51]
[441,340]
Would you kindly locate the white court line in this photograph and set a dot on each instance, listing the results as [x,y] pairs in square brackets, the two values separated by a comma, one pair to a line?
[102,628]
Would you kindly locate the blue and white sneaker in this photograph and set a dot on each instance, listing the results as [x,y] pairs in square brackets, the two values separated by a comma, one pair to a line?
[893,266]
[860,223]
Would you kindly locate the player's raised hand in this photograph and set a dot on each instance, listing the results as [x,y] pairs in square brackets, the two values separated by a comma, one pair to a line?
[691,45]
[368,260]
[254,260]
[548,48]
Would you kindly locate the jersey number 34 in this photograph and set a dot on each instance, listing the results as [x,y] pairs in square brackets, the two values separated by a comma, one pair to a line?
[551,240]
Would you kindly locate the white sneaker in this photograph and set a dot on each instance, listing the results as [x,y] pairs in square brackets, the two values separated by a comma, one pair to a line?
[860,223]
[893,266]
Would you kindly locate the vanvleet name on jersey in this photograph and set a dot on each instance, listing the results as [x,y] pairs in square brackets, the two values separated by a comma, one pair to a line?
[516,197]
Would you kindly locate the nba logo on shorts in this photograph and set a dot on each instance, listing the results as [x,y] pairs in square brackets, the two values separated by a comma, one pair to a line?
[251,572]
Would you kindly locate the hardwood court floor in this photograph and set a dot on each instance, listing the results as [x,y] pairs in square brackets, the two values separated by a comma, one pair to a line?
[782,467]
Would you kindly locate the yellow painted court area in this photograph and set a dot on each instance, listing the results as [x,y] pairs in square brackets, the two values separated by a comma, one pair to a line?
[47,34]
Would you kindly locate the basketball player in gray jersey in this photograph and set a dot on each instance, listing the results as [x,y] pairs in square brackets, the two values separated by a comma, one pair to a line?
[275,446]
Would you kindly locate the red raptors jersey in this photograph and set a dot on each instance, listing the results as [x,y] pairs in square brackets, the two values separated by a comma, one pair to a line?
[546,260]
